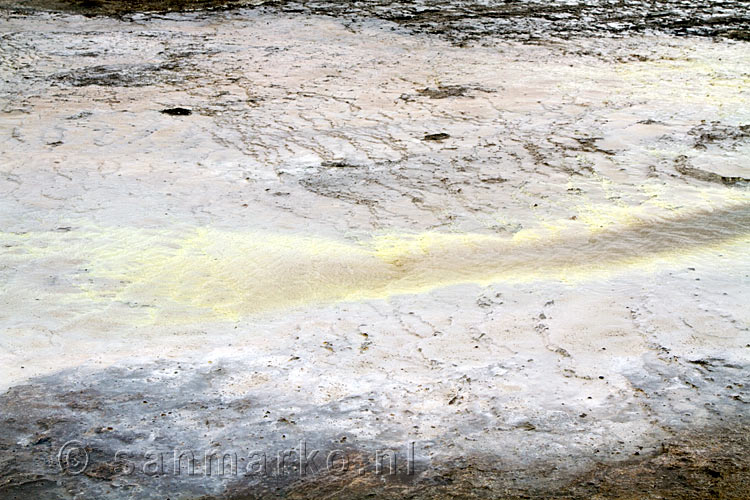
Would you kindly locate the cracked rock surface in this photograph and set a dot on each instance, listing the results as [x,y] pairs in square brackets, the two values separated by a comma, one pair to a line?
[520,269]
[465,20]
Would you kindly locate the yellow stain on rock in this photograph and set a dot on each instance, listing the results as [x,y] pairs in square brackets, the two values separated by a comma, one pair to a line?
[210,274]
[720,81]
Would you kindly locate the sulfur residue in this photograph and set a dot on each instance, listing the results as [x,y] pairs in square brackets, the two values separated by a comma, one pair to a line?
[719,81]
[196,274]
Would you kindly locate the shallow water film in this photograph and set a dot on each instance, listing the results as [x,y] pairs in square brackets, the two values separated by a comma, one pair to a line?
[257,249]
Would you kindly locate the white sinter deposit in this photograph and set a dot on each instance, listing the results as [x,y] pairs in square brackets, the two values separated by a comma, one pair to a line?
[528,252]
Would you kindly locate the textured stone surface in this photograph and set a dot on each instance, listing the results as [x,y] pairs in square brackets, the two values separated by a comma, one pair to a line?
[242,230]
[462,20]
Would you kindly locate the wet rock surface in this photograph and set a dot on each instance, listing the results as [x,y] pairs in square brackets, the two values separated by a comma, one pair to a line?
[683,167]
[119,76]
[539,19]
[468,20]
[147,430]
[716,132]
[120,7]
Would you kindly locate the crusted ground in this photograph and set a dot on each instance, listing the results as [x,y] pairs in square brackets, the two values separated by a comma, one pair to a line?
[463,20]
[247,229]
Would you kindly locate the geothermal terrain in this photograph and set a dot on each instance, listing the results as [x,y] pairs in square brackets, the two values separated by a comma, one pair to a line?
[374,250]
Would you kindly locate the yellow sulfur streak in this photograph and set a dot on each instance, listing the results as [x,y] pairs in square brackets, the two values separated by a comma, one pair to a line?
[208,274]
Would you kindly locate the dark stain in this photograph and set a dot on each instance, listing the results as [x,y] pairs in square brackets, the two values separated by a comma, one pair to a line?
[338,164]
[443,92]
[120,75]
[683,167]
[718,133]
[176,112]
[436,137]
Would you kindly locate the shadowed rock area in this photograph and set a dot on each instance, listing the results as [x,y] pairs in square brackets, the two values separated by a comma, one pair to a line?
[115,433]
[120,7]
